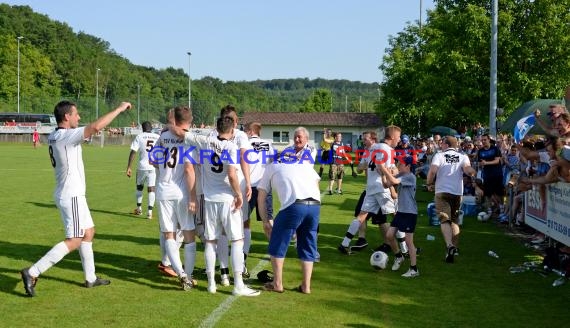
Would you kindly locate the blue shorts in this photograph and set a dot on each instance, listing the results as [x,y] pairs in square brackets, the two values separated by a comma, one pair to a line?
[405,222]
[296,218]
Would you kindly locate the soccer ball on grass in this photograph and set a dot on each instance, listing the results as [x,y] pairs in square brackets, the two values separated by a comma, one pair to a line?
[483,216]
[378,260]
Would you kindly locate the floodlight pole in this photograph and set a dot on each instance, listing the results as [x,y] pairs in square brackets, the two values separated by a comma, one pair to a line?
[19,38]
[138,105]
[189,82]
[493,77]
[97,93]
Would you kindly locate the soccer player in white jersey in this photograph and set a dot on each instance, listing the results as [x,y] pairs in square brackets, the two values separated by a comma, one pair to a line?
[223,199]
[67,160]
[240,139]
[260,154]
[176,196]
[448,166]
[377,197]
[146,173]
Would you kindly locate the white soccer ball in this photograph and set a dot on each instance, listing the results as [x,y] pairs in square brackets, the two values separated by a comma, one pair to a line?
[483,216]
[378,260]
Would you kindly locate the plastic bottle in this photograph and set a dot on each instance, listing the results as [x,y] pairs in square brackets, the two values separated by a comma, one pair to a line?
[430,237]
[493,254]
[518,269]
[558,282]
[531,264]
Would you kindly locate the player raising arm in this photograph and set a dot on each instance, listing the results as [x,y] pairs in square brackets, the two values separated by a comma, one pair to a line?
[67,160]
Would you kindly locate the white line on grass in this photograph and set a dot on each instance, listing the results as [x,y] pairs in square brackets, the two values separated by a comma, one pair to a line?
[217,314]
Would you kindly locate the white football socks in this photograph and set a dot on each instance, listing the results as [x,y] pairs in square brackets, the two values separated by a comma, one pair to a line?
[87,260]
[352,230]
[139,195]
[246,240]
[237,262]
[53,256]
[210,259]
[151,199]
[189,258]
[223,252]
[172,249]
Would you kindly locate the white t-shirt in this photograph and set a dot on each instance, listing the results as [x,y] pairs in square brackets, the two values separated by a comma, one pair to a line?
[379,154]
[449,178]
[171,184]
[241,140]
[67,160]
[291,182]
[258,157]
[142,144]
[215,157]
[197,166]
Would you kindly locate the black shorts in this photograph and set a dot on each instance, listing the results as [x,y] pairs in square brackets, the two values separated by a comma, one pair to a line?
[325,157]
[405,222]
[377,218]
[494,186]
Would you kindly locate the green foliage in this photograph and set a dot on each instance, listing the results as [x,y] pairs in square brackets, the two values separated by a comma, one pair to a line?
[58,63]
[320,101]
[440,75]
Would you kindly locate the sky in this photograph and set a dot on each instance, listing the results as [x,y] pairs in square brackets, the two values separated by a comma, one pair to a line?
[244,40]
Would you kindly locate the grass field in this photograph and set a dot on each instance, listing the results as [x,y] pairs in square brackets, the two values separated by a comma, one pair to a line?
[476,291]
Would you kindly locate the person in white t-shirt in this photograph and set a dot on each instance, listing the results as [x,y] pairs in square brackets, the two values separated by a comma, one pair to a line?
[259,156]
[446,170]
[378,199]
[146,173]
[67,160]
[240,139]
[223,199]
[297,186]
[176,194]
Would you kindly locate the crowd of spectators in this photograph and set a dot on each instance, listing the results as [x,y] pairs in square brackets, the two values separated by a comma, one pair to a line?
[532,163]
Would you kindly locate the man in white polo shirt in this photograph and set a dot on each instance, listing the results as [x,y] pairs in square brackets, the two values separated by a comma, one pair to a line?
[297,187]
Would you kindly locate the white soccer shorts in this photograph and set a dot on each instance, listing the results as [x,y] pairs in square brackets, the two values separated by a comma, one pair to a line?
[372,203]
[174,215]
[147,177]
[220,217]
[75,216]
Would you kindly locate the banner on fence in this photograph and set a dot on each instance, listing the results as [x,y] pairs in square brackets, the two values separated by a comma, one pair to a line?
[548,211]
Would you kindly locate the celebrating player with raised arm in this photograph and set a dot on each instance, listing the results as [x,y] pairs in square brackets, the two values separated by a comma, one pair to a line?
[67,160]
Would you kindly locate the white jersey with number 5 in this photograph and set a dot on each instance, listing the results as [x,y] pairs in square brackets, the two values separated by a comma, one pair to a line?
[66,158]
[142,144]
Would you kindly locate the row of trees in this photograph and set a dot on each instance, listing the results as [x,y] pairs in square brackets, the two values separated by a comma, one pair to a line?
[439,74]
[434,74]
[57,63]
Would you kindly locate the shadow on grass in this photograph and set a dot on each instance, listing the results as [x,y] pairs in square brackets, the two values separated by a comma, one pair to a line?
[128,238]
[115,266]
[44,205]
[52,205]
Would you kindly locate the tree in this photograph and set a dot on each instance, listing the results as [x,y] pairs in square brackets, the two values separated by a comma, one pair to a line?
[440,76]
[319,101]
